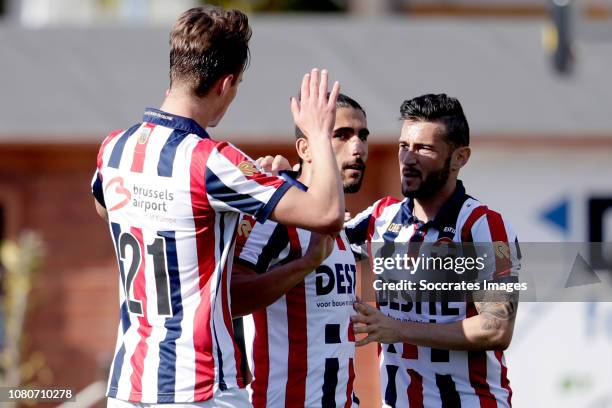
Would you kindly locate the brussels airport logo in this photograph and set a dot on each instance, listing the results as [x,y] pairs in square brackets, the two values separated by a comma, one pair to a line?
[118,193]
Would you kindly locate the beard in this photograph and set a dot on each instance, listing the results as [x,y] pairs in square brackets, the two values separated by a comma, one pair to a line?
[352,185]
[431,185]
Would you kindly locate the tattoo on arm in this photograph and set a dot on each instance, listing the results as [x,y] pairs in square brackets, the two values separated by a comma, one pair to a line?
[497,313]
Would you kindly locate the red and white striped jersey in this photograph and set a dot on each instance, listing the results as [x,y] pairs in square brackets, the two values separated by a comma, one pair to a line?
[174,197]
[304,346]
[416,376]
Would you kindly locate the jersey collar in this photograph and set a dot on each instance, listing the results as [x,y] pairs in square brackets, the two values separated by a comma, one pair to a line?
[448,214]
[169,120]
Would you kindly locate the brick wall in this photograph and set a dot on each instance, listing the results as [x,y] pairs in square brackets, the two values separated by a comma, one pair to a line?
[72,315]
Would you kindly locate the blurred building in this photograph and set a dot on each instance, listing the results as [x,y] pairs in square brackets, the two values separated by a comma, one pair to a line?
[542,144]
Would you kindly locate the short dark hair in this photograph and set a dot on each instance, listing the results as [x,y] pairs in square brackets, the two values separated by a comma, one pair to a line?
[207,43]
[442,109]
[343,101]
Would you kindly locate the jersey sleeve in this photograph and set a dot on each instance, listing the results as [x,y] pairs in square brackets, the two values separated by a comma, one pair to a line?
[235,183]
[497,245]
[96,188]
[96,181]
[261,245]
[357,227]
[360,228]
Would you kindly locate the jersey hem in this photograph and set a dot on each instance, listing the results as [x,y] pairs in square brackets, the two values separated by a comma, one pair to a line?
[165,398]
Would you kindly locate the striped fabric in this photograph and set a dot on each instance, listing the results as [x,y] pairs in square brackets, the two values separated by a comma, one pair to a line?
[303,350]
[174,197]
[414,376]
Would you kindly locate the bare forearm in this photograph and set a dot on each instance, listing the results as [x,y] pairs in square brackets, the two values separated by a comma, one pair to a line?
[327,196]
[472,334]
[490,329]
[257,291]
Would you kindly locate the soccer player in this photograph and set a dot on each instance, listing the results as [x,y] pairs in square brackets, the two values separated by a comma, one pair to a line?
[444,353]
[173,196]
[300,288]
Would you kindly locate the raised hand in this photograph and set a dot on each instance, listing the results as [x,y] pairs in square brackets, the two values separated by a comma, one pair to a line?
[315,113]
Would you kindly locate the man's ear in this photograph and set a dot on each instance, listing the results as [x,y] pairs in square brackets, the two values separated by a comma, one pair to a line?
[224,84]
[461,156]
[303,150]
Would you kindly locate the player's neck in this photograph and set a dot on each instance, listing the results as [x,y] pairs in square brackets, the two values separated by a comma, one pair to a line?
[199,109]
[426,209]
[305,177]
